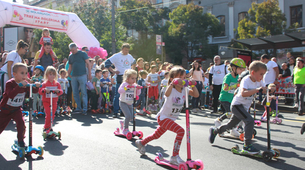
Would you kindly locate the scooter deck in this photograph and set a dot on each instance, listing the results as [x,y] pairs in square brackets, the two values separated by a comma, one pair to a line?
[226,135]
[26,151]
[238,151]
[129,135]
[51,134]
[162,161]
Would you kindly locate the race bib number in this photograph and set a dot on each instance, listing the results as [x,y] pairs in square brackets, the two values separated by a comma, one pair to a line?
[129,95]
[53,95]
[176,110]
[17,100]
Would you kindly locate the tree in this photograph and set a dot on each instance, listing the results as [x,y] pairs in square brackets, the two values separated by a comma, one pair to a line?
[264,19]
[189,30]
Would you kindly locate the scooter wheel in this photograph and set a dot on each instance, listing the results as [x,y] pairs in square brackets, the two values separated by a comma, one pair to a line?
[267,156]
[259,123]
[59,135]
[279,121]
[140,134]
[21,153]
[183,166]
[200,163]
[40,151]
[129,135]
[241,136]
[254,132]
[44,136]
[277,153]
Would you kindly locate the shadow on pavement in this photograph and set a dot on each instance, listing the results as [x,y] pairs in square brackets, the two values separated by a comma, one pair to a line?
[54,147]
[11,165]
[89,119]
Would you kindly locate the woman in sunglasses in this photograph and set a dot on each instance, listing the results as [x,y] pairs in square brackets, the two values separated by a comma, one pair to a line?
[15,56]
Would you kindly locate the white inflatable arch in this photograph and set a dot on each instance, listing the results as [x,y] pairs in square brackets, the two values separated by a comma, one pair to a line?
[35,17]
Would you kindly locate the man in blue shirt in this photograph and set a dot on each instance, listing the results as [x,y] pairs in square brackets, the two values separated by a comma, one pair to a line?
[78,61]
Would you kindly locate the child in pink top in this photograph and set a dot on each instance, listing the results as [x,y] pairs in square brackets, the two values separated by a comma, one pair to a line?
[46,39]
[126,91]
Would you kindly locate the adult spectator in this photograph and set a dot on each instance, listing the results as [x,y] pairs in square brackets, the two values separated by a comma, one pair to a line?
[275,60]
[288,56]
[46,59]
[146,66]
[78,61]
[196,74]
[286,71]
[272,72]
[12,58]
[63,64]
[29,39]
[299,82]
[217,73]
[122,61]
[85,49]
[140,65]
[291,64]
[158,62]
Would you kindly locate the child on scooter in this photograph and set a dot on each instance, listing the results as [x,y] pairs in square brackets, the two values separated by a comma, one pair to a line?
[141,82]
[272,99]
[126,91]
[174,101]
[249,86]
[38,77]
[12,101]
[230,83]
[50,83]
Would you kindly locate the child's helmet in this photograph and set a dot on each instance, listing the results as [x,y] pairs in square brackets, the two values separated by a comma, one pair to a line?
[187,71]
[40,67]
[238,62]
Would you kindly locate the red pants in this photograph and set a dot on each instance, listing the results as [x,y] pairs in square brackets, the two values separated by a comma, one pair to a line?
[42,52]
[164,125]
[16,115]
[47,110]
[153,91]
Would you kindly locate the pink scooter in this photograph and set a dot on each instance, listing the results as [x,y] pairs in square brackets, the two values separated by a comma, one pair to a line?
[189,164]
[130,135]
[276,120]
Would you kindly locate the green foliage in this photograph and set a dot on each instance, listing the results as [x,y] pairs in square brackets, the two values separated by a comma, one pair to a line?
[189,30]
[264,19]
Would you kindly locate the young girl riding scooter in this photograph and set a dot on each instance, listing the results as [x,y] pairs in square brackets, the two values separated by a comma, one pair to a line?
[174,101]
[50,83]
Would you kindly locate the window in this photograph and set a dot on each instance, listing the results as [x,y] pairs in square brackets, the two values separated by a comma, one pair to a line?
[296,13]
[222,22]
[242,15]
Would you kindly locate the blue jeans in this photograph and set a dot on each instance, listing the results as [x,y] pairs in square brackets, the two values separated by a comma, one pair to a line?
[116,106]
[79,82]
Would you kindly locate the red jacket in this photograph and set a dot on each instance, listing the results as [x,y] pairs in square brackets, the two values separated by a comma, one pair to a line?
[14,95]
[51,86]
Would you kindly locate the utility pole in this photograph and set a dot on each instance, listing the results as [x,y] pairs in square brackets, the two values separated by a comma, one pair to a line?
[113,27]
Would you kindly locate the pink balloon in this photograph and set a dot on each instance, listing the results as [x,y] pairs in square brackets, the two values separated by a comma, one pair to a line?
[94,53]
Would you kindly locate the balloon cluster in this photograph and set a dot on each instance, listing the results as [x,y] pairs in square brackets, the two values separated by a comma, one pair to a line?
[16,15]
[94,51]
[64,23]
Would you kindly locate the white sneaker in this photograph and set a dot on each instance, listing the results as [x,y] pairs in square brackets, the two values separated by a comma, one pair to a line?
[122,124]
[176,160]
[141,147]
[296,105]
[234,132]
[138,111]
[125,131]
[194,110]
[217,122]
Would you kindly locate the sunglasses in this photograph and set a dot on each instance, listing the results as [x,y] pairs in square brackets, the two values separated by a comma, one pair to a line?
[87,50]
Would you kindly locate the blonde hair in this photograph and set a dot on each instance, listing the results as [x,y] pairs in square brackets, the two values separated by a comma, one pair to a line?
[140,59]
[49,70]
[175,72]
[45,30]
[17,66]
[256,66]
[128,73]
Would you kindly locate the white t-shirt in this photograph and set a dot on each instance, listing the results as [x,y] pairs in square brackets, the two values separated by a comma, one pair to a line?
[246,83]
[269,76]
[12,56]
[164,82]
[122,62]
[218,74]
[172,105]
[63,83]
[153,77]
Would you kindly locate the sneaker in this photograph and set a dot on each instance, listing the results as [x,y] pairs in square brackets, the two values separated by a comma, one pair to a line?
[301,114]
[138,111]
[296,105]
[217,122]
[84,112]
[121,124]
[263,119]
[273,114]
[21,144]
[212,134]
[93,111]
[176,160]
[303,129]
[125,131]
[234,132]
[250,150]
[77,111]
[141,147]
[115,115]
[194,110]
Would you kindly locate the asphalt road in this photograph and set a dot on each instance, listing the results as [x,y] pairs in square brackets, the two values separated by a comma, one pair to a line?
[88,143]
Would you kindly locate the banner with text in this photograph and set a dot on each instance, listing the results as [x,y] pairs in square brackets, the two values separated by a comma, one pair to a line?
[285,86]
[39,18]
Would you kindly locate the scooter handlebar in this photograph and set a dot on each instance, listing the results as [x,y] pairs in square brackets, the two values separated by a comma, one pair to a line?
[28,85]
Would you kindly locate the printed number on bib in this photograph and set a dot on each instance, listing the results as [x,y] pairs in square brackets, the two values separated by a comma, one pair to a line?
[176,110]
[16,101]
[129,96]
